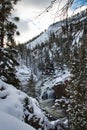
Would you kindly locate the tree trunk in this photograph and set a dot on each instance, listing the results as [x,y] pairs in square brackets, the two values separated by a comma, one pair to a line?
[2,37]
[2,23]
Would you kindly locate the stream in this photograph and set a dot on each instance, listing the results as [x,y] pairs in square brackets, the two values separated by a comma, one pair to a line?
[44,93]
[46,97]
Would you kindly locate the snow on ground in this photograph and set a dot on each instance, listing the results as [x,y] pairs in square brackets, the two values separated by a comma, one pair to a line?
[65,122]
[23,74]
[45,36]
[39,40]
[56,28]
[8,122]
[12,103]
[62,76]
[78,10]
[77,38]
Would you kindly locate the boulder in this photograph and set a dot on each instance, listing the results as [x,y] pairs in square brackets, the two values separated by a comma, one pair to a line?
[60,89]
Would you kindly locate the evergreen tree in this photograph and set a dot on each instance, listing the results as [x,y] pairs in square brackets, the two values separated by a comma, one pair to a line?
[7,31]
[49,65]
[77,90]
[31,87]
[7,27]
[7,66]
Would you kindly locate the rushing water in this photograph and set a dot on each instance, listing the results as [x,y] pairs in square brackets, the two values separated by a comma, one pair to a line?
[48,106]
[46,97]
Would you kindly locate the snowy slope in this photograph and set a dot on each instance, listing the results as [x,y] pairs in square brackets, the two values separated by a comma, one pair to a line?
[56,28]
[23,73]
[8,122]
[45,36]
[12,103]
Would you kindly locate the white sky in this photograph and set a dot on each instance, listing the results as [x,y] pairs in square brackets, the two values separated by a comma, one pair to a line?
[30,26]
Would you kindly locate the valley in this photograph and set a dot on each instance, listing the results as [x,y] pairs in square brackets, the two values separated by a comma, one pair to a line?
[43,82]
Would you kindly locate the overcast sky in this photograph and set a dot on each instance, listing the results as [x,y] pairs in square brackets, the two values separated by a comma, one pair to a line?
[30,26]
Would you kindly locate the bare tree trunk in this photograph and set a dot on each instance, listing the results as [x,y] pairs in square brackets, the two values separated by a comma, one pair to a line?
[2,24]
[2,37]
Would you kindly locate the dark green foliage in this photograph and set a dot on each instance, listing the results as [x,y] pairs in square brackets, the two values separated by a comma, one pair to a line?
[7,26]
[77,88]
[31,86]
[7,66]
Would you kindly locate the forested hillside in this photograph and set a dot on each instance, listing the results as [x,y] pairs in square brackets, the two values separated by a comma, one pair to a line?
[58,59]
[51,69]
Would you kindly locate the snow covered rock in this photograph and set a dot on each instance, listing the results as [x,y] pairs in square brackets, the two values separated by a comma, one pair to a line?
[17,104]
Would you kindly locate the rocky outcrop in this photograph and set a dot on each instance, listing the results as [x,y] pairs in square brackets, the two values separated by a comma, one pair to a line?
[60,89]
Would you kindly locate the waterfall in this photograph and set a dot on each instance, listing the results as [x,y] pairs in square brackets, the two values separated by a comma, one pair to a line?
[48,94]
[51,94]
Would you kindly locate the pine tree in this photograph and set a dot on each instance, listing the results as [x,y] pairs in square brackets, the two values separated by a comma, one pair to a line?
[7,31]
[49,65]
[77,90]
[7,26]
[31,86]
[7,66]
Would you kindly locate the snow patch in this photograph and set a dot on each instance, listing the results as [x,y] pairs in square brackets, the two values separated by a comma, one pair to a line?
[8,122]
